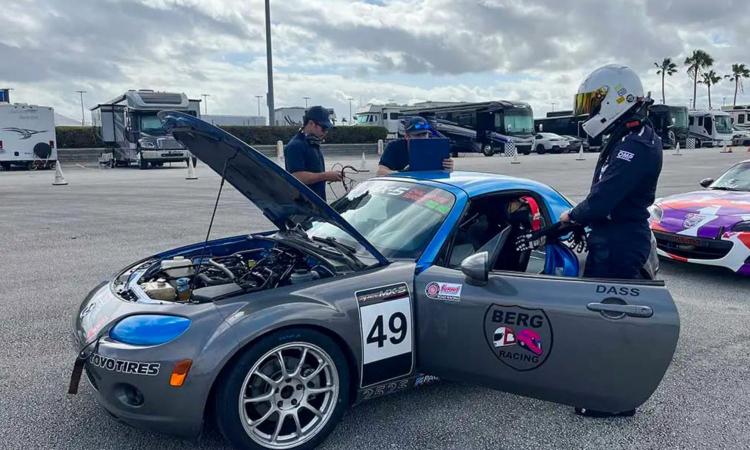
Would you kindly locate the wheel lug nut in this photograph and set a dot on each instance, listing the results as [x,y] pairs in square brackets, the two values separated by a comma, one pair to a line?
[280,404]
[294,402]
[299,387]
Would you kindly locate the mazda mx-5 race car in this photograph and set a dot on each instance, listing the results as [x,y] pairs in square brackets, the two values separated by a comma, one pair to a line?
[404,280]
[709,227]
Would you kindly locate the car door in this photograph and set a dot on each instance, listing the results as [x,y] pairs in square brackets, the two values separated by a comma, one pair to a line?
[591,343]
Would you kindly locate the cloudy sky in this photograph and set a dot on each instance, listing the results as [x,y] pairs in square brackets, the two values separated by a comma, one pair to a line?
[371,51]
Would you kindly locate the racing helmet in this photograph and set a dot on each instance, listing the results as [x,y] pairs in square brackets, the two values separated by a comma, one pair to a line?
[606,95]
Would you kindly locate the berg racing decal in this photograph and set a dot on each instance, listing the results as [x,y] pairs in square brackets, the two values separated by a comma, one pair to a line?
[386,325]
[450,292]
[126,367]
[521,338]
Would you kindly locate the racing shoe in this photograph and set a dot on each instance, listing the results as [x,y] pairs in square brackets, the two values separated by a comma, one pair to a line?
[586,412]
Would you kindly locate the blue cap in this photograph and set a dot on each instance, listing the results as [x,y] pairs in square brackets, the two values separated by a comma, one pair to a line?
[319,115]
[417,125]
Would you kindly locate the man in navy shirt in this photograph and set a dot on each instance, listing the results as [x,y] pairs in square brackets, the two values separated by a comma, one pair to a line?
[302,155]
[396,155]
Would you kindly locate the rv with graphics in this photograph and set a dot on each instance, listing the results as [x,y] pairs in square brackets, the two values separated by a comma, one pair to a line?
[670,123]
[710,128]
[132,132]
[494,123]
[27,136]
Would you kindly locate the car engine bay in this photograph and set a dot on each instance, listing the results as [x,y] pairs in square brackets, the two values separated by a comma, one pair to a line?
[200,279]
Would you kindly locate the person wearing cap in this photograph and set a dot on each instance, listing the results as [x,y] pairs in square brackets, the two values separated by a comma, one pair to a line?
[396,155]
[302,155]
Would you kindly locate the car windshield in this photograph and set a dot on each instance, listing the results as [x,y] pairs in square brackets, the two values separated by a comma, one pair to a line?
[736,178]
[151,125]
[398,218]
[723,124]
[517,121]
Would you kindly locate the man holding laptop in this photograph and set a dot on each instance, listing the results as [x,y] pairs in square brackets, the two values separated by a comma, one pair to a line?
[414,153]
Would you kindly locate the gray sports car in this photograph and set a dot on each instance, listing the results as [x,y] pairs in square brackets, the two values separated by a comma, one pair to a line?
[405,279]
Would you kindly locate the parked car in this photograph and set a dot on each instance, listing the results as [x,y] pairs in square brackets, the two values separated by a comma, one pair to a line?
[740,136]
[576,142]
[550,142]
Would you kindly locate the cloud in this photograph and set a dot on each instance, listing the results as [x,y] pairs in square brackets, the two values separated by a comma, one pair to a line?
[392,50]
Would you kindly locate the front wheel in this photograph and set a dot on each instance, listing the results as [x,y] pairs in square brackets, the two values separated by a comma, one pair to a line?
[487,150]
[540,149]
[286,391]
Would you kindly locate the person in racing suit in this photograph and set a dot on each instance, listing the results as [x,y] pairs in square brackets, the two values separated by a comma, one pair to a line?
[625,177]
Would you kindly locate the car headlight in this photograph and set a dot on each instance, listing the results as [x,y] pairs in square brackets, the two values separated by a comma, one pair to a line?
[149,329]
[742,226]
[146,143]
[656,212]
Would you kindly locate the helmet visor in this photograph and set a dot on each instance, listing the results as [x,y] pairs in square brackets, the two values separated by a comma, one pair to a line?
[589,102]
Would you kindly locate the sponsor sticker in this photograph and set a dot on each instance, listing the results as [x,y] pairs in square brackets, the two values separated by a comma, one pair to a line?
[630,98]
[692,219]
[520,338]
[424,379]
[127,367]
[622,91]
[620,100]
[450,292]
[625,155]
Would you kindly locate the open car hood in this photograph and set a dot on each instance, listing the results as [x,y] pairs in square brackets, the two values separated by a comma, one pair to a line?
[284,200]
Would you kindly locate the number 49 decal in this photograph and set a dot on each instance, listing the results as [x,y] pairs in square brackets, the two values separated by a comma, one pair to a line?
[386,326]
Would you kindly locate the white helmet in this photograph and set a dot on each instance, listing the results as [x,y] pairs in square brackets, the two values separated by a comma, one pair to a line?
[606,95]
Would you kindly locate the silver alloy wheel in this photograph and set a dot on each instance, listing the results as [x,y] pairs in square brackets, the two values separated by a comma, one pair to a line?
[289,395]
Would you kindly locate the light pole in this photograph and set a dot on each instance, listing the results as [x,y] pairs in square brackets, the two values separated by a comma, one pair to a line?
[306,99]
[553,106]
[83,120]
[205,103]
[350,109]
[259,97]
[269,64]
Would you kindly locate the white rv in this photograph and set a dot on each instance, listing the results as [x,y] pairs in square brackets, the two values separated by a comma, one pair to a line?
[132,132]
[740,116]
[710,128]
[27,136]
[387,116]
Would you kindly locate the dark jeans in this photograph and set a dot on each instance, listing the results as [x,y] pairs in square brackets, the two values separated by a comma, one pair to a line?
[617,251]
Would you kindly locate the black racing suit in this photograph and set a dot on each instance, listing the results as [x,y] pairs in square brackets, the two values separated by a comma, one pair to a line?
[624,186]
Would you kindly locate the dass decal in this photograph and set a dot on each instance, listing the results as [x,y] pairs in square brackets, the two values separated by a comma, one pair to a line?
[521,338]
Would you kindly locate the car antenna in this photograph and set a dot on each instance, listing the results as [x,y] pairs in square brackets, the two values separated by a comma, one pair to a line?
[210,224]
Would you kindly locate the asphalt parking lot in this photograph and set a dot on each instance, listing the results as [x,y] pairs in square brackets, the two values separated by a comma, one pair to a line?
[58,242]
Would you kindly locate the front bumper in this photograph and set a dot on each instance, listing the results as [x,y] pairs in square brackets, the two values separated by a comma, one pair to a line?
[164,155]
[132,382]
[731,252]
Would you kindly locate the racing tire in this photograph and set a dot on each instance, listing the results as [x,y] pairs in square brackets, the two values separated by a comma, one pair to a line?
[487,150]
[527,152]
[540,149]
[255,392]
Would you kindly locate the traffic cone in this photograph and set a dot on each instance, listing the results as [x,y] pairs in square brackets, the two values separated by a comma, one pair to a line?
[380,147]
[515,158]
[677,150]
[580,156]
[363,163]
[59,177]
[724,149]
[191,170]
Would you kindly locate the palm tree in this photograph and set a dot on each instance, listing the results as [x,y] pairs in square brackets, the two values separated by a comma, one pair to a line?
[667,67]
[710,78]
[696,62]
[739,71]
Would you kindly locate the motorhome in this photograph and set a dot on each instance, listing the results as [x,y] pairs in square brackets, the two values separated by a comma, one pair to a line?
[386,116]
[27,135]
[495,123]
[670,123]
[133,134]
[710,128]
[740,115]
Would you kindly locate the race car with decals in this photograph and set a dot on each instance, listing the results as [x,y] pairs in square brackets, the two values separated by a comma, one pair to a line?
[404,280]
[710,227]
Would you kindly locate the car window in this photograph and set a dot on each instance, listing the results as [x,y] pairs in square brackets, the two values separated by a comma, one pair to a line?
[741,118]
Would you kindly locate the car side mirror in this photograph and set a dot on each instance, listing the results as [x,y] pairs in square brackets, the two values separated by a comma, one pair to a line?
[706,182]
[476,269]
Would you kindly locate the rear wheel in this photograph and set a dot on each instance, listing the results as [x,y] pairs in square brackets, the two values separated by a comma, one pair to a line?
[540,149]
[487,150]
[5,165]
[286,391]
